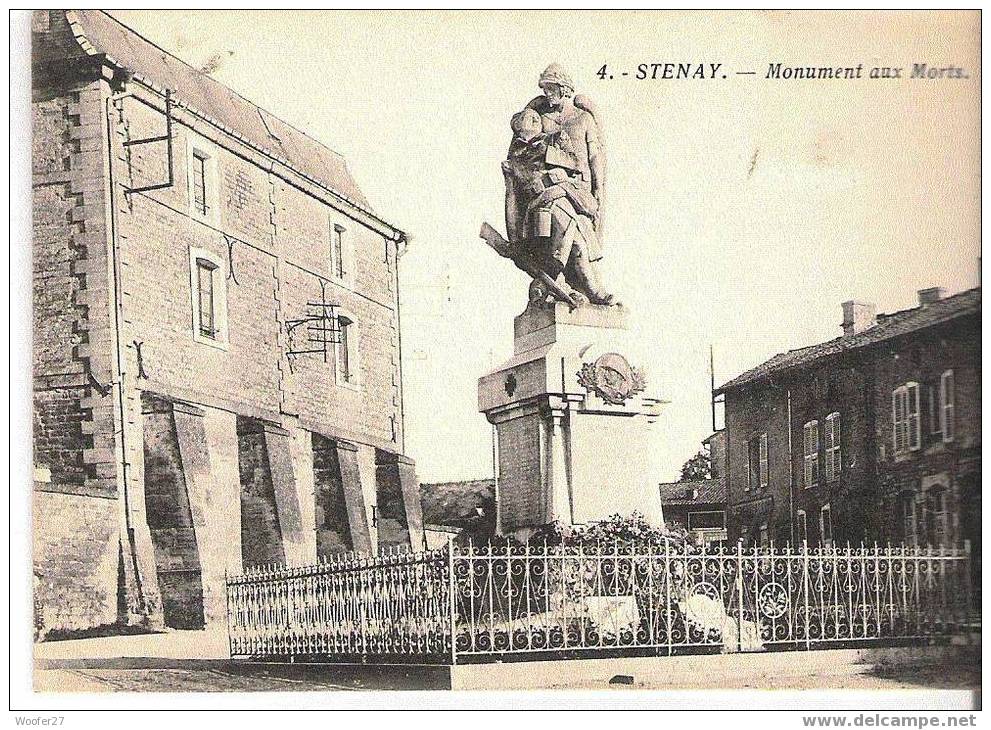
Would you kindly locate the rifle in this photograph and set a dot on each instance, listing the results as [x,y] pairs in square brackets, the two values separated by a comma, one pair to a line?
[525,262]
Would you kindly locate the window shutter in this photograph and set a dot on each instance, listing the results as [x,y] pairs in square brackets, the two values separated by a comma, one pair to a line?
[811,455]
[828,439]
[837,447]
[763,460]
[810,437]
[912,397]
[905,415]
[946,417]
[833,455]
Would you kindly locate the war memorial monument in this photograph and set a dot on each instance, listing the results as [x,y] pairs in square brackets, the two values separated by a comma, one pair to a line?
[572,413]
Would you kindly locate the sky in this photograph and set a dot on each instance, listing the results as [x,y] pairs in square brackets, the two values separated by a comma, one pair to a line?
[741,211]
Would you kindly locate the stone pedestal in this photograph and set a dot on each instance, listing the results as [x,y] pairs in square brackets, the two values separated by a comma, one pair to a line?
[573,420]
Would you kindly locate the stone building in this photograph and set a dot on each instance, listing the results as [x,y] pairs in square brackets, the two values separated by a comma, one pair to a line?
[699,505]
[217,368]
[872,436]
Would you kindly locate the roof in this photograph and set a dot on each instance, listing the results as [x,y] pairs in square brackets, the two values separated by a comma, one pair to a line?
[889,326]
[129,50]
[457,503]
[715,435]
[709,491]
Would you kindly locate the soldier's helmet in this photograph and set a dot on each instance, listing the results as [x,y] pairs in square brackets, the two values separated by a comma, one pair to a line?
[555,74]
[526,124]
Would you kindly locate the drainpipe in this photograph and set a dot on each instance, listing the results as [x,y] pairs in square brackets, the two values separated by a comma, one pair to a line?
[117,304]
[118,317]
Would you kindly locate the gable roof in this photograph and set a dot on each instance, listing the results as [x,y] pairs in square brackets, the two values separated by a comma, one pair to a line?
[99,33]
[710,491]
[888,327]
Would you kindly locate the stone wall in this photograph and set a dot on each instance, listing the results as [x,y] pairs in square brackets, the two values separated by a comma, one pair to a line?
[748,414]
[400,517]
[145,499]
[273,240]
[170,519]
[261,536]
[954,465]
[865,500]
[333,530]
[77,517]
[75,570]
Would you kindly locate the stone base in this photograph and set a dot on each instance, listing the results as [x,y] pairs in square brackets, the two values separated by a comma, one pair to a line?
[569,452]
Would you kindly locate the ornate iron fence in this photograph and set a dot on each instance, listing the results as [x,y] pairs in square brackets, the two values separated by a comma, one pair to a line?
[476,602]
[351,608]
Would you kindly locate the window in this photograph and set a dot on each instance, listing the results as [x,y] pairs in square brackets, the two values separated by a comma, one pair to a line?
[338,268]
[834,455]
[905,417]
[909,519]
[752,476]
[826,526]
[199,183]
[345,360]
[346,351]
[935,413]
[762,538]
[946,413]
[802,527]
[202,180]
[762,455]
[207,302]
[757,458]
[811,451]
[208,286]
[936,517]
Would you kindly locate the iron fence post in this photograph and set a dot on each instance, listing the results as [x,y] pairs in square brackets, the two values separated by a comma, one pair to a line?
[362,615]
[805,588]
[739,595]
[450,600]
[230,618]
[667,594]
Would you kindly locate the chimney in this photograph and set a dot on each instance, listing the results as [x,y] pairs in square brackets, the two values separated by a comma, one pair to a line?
[931,295]
[857,317]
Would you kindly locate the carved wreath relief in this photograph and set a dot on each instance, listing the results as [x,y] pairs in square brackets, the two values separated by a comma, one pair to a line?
[612,378]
